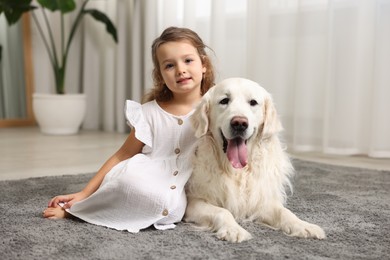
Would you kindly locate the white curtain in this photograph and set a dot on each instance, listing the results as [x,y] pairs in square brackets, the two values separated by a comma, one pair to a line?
[12,82]
[326,63]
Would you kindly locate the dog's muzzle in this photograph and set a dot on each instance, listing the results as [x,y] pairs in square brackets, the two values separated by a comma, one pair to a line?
[235,148]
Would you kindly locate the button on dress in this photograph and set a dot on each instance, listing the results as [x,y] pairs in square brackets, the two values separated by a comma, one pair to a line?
[147,189]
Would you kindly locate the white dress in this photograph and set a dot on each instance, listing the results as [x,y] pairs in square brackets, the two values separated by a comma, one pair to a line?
[147,189]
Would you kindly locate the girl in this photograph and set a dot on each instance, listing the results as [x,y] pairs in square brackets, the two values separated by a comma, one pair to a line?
[142,184]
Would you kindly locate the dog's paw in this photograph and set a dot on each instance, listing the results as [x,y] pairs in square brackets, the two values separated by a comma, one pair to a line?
[233,234]
[305,230]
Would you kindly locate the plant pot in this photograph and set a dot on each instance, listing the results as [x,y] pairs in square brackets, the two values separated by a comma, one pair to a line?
[59,114]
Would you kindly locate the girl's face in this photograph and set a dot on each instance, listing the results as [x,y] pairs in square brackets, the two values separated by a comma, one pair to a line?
[181,67]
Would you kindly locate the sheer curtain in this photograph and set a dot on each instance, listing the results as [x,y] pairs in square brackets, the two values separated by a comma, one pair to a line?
[326,63]
[12,82]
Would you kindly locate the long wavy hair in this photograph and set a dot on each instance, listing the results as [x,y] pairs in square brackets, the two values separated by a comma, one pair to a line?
[160,91]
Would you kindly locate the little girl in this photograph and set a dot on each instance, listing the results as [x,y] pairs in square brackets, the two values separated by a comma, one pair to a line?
[142,184]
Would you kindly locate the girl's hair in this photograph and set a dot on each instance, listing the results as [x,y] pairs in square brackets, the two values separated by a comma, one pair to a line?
[160,91]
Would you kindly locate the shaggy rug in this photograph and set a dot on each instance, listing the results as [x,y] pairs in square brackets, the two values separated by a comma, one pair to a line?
[351,204]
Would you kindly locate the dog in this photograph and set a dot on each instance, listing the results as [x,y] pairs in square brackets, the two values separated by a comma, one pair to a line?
[240,168]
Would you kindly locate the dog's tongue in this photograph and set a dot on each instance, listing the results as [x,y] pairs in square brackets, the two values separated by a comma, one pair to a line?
[237,153]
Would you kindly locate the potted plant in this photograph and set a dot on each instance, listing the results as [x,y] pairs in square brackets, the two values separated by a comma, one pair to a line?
[45,104]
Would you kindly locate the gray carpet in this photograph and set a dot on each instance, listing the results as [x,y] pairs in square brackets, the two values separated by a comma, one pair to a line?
[352,205]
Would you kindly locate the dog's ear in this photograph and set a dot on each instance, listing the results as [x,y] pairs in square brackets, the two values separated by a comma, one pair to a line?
[200,118]
[271,124]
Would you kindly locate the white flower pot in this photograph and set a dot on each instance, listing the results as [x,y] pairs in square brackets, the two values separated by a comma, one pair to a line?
[59,114]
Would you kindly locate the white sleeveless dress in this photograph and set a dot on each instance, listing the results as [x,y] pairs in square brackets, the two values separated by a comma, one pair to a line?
[147,189]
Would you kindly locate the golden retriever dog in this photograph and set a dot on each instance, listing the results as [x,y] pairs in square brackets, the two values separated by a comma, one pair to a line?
[241,171]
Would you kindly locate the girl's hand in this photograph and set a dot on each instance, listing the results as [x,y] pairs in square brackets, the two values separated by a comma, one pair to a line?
[69,200]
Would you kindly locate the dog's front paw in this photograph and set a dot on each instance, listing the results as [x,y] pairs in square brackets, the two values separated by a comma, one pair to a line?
[233,234]
[306,230]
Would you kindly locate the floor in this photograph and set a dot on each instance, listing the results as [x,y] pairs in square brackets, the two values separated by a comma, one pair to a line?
[25,153]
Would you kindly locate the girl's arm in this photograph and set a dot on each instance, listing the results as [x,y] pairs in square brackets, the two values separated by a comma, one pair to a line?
[130,147]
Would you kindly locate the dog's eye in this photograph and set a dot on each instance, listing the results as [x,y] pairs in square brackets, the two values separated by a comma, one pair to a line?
[253,102]
[224,101]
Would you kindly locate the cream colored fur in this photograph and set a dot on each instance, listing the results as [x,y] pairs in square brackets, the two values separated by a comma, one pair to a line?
[219,195]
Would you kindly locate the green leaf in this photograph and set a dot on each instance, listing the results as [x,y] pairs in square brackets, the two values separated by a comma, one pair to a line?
[101,17]
[13,9]
[64,6]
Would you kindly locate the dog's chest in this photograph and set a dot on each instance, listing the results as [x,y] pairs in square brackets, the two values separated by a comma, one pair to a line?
[238,193]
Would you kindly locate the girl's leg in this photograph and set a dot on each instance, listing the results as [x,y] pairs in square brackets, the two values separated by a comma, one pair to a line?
[55,213]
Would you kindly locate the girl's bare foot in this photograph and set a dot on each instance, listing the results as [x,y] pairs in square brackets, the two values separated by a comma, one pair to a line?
[55,213]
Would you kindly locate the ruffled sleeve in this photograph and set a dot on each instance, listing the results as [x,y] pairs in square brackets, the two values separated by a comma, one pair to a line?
[135,119]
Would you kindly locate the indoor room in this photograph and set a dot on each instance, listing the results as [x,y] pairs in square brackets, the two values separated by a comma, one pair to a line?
[74,75]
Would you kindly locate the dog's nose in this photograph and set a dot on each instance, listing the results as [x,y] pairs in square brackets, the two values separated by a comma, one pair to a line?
[239,123]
